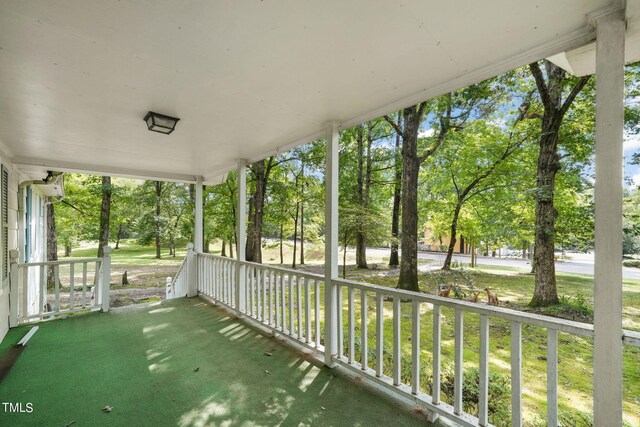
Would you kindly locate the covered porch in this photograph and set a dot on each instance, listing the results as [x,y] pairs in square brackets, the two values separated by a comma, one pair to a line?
[272,92]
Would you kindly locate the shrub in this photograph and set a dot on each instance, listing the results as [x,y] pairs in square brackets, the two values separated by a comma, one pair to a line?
[499,392]
[576,307]
[632,263]
[462,281]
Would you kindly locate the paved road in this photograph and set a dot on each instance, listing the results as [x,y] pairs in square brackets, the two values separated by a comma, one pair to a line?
[580,263]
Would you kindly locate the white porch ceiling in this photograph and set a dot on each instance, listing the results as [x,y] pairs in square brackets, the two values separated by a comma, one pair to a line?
[246,78]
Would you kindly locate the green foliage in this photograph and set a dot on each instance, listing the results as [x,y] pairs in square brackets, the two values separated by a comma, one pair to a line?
[567,419]
[573,307]
[631,263]
[174,223]
[355,219]
[499,392]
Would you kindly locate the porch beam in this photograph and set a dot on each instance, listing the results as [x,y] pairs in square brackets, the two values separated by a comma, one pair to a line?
[241,235]
[331,242]
[607,359]
[198,232]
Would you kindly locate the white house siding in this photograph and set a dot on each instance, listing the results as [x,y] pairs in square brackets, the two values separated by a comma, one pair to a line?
[38,233]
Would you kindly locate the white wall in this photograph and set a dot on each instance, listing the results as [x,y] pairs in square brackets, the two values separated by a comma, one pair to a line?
[13,240]
[15,236]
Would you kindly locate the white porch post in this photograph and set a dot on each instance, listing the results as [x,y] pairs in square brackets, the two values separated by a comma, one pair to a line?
[192,271]
[607,359]
[331,243]
[241,235]
[198,232]
[106,278]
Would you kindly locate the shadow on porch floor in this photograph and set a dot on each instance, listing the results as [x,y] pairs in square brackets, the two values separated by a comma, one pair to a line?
[180,363]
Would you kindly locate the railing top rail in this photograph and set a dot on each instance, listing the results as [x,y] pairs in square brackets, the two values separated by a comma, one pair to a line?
[182,265]
[60,262]
[207,255]
[631,338]
[285,270]
[267,266]
[562,325]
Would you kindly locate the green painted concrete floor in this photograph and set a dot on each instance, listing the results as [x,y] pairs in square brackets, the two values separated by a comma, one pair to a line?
[182,363]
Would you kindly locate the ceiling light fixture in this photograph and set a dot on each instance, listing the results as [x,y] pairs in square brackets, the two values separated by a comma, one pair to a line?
[160,123]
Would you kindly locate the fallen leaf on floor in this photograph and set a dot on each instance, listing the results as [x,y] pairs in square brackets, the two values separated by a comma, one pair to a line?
[323,408]
[107,409]
[268,353]
[70,423]
[196,370]
[266,371]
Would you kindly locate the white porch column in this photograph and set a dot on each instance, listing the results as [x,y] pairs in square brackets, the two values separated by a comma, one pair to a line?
[241,235]
[106,278]
[331,243]
[607,359]
[198,232]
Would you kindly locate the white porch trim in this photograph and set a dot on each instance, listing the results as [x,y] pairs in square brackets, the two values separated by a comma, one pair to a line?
[123,172]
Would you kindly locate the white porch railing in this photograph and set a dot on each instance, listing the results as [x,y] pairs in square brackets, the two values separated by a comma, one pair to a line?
[286,301]
[177,287]
[78,285]
[290,302]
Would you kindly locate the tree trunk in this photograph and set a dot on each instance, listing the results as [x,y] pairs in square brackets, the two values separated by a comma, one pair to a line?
[67,249]
[105,213]
[361,237]
[545,292]
[119,235]
[231,247]
[261,171]
[344,257]
[295,235]
[302,216]
[473,256]
[555,108]
[223,251]
[281,244]
[302,232]
[408,279]
[158,185]
[453,239]
[395,216]
[125,280]
[52,242]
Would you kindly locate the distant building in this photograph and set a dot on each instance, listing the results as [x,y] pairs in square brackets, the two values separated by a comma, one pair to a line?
[434,243]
